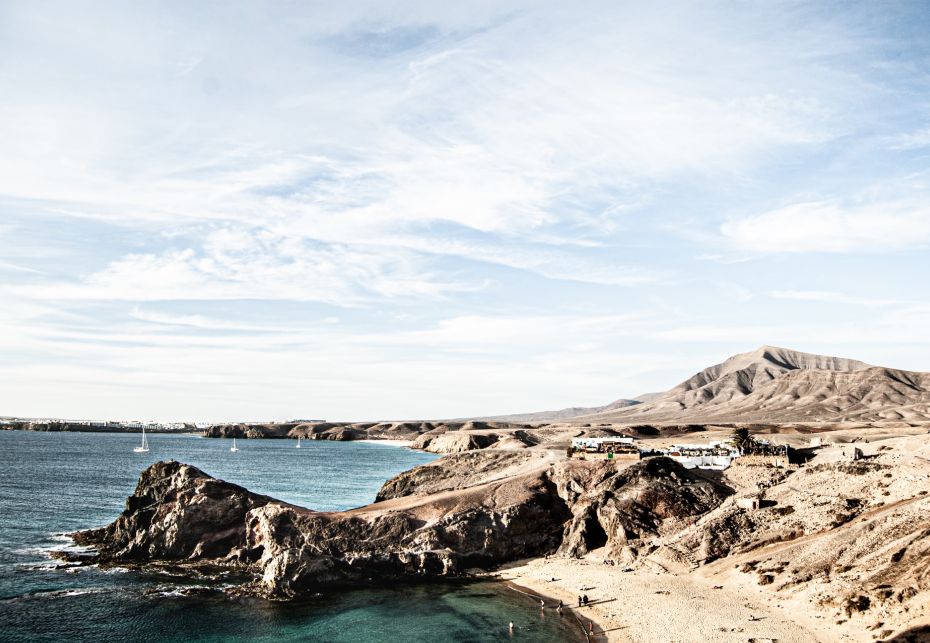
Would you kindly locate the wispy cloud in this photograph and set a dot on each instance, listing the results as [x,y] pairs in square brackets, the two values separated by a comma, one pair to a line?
[831,226]
[233,264]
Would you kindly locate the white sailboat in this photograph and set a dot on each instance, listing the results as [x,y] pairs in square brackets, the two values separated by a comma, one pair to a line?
[144,447]
[298,441]
[234,448]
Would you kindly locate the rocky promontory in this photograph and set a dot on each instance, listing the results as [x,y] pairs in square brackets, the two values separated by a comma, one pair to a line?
[476,510]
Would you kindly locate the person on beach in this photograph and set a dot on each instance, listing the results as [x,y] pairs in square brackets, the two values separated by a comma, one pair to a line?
[579,601]
[559,608]
[584,599]
[590,628]
[542,604]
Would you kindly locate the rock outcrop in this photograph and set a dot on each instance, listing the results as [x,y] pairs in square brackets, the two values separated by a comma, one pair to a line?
[623,507]
[177,512]
[471,510]
[460,471]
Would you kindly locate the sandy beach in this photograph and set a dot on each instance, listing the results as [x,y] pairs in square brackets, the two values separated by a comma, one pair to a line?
[390,443]
[644,605]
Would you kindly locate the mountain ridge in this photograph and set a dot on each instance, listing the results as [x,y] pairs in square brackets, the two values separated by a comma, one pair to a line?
[773,384]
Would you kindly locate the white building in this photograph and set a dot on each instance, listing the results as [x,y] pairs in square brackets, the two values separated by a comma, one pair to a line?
[716,455]
[602,444]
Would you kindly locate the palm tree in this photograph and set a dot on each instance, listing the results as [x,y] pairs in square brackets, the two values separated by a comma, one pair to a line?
[741,439]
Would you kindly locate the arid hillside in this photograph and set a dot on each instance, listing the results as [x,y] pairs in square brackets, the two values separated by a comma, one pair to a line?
[779,385]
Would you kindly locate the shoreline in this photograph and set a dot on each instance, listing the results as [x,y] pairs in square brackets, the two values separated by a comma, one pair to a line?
[391,443]
[600,632]
[645,604]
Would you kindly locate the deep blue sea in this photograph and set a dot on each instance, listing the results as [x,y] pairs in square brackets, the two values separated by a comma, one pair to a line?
[55,483]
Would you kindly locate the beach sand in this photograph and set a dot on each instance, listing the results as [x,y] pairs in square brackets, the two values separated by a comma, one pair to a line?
[645,605]
[390,443]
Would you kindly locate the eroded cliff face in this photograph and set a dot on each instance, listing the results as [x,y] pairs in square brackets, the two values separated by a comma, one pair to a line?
[180,514]
[440,534]
[622,508]
[177,512]
[474,510]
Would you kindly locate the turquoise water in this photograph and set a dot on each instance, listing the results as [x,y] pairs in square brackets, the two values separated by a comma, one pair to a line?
[53,483]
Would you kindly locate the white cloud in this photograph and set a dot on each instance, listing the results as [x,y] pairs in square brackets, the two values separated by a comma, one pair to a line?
[461,366]
[832,298]
[829,226]
[204,322]
[244,264]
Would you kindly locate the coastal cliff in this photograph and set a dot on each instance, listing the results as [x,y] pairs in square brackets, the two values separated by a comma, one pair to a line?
[475,510]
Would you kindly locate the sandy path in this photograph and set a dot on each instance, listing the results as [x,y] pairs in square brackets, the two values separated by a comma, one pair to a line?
[646,606]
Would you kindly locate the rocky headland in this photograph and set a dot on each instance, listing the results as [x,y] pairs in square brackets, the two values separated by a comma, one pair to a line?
[472,511]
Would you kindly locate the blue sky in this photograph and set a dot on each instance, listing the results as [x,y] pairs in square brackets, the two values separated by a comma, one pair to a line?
[410,210]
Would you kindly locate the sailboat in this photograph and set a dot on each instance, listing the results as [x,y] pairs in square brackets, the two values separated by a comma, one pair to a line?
[298,441]
[144,447]
[234,448]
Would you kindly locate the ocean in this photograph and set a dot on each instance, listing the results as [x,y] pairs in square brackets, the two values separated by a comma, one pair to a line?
[55,483]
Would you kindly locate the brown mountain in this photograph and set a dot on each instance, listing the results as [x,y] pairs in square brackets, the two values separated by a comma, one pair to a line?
[778,384]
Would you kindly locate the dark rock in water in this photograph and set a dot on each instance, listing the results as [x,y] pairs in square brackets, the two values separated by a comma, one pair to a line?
[176,512]
[473,510]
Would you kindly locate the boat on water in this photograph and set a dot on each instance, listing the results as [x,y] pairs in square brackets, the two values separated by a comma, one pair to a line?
[234,448]
[144,447]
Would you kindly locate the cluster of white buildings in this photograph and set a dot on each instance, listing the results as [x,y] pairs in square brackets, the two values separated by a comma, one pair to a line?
[149,425]
[717,455]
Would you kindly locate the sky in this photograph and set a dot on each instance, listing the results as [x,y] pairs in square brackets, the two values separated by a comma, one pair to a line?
[393,210]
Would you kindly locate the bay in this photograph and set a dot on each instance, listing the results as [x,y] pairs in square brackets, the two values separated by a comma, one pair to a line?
[55,483]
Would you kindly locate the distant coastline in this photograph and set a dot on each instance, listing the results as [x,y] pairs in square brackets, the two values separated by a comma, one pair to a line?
[84,427]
